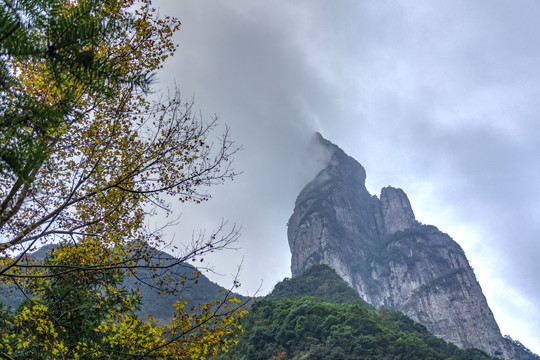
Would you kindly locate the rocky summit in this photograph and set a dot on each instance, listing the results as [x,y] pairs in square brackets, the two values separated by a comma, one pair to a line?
[378,247]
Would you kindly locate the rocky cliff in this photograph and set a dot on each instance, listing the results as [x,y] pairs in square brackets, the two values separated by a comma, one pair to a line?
[388,257]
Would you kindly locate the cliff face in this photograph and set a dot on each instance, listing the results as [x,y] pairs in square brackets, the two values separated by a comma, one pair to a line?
[390,259]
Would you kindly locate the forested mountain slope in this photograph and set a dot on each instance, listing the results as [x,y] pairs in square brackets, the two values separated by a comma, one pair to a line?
[317,316]
[379,248]
[190,283]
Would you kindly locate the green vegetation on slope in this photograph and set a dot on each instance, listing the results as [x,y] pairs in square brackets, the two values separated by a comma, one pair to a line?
[150,282]
[327,323]
[319,281]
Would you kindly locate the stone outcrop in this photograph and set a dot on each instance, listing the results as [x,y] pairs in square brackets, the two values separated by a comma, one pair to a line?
[396,210]
[389,258]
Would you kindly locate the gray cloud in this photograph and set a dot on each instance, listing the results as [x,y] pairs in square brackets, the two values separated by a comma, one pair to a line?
[439,99]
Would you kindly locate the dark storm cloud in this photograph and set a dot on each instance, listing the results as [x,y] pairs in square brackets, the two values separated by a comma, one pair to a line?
[438,98]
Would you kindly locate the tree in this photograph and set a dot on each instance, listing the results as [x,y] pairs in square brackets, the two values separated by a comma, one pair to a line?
[89,315]
[54,55]
[86,158]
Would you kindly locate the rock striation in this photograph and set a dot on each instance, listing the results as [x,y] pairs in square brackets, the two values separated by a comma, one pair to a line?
[378,247]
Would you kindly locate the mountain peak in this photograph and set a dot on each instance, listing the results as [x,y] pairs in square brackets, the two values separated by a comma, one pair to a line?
[340,164]
[396,210]
[390,259]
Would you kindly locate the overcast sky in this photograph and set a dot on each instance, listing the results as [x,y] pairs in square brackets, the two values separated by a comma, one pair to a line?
[439,98]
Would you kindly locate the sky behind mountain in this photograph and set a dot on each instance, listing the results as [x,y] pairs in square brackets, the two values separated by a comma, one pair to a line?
[437,98]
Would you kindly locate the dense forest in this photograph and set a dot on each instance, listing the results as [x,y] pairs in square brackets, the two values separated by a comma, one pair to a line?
[318,317]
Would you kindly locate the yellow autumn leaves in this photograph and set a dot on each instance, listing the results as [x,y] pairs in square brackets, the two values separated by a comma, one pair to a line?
[95,158]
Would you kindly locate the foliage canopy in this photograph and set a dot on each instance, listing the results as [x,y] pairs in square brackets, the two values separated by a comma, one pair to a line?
[314,316]
[85,159]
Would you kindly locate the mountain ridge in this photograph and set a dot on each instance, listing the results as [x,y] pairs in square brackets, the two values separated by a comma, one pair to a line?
[318,316]
[379,248]
[161,268]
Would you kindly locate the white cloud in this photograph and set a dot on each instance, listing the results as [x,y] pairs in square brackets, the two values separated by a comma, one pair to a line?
[439,99]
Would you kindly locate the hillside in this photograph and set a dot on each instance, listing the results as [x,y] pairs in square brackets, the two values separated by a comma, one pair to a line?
[159,306]
[317,316]
[320,282]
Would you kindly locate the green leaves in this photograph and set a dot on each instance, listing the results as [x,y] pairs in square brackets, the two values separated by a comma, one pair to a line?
[309,328]
[85,160]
